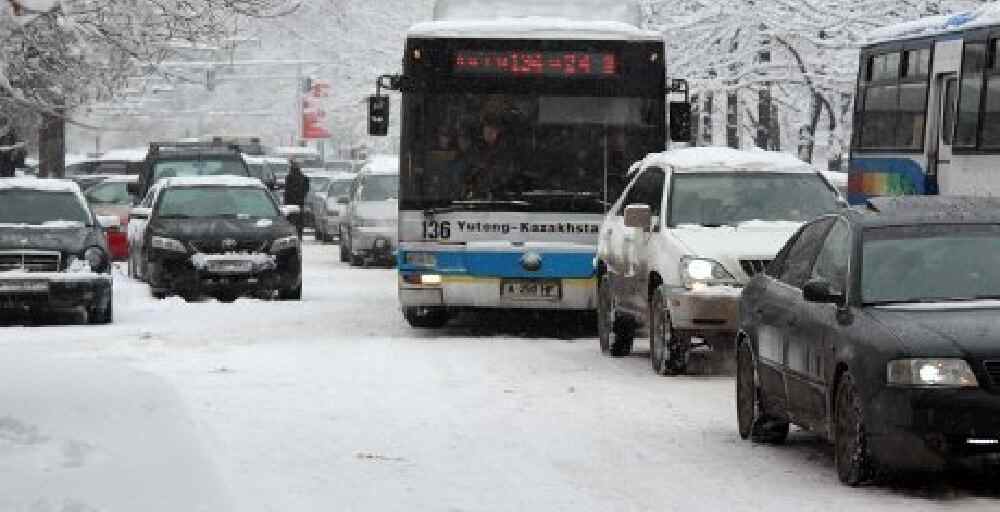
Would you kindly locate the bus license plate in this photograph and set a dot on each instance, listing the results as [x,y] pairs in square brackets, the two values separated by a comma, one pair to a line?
[24,287]
[230,267]
[531,289]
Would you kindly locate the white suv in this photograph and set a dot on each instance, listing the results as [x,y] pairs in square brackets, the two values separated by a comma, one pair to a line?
[692,227]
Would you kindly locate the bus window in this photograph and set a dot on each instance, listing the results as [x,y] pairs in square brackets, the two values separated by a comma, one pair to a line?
[880,116]
[912,115]
[970,96]
[885,67]
[916,64]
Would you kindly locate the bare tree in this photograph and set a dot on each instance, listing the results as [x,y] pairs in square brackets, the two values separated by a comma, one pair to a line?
[69,52]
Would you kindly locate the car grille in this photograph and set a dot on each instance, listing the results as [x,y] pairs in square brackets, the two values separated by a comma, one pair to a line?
[993,370]
[30,261]
[221,247]
[754,267]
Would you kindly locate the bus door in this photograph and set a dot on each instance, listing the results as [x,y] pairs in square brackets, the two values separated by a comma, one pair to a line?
[939,162]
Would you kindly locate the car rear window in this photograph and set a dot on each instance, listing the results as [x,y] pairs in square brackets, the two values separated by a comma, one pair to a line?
[197,167]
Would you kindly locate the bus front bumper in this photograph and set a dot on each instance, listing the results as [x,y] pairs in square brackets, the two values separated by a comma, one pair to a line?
[469,292]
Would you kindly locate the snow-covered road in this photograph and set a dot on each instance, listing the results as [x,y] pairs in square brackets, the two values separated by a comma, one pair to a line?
[335,404]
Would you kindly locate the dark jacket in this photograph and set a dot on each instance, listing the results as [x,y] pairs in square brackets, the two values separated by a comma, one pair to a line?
[11,156]
[296,187]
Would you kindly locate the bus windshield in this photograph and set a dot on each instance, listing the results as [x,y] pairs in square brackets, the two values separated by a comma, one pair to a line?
[528,152]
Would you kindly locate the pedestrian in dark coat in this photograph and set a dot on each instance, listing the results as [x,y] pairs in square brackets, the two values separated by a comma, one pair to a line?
[296,190]
[11,154]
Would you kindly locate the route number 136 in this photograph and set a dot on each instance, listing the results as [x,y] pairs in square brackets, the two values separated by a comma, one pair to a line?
[434,230]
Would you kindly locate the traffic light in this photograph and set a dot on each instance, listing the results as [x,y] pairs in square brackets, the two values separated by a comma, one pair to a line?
[307,84]
[378,116]
[211,79]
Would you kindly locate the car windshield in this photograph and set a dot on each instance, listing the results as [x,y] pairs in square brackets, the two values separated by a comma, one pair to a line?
[930,263]
[108,193]
[38,207]
[198,202]
[730,198]
[380,188]
[184,168]
[339,188]
[318,184]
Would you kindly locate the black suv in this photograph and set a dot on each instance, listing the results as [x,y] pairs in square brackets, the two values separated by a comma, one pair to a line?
[187,159]
[220,236]
[53,253]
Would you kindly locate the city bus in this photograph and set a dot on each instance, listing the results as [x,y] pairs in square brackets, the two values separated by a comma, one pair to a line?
[516,135]
[926,111]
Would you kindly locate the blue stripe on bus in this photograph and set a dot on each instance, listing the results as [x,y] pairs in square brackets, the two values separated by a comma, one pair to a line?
[564,265]
[873,177]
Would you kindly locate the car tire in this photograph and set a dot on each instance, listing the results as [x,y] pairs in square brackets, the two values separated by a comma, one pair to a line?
[345,256]
[668,355]
[426,318]
[105,315]
[357,261]
[753,424]
[227,297]
[616,334]
[291,293]
[851,452]
[605,314]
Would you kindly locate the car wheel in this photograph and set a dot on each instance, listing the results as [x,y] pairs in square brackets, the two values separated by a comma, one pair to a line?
[291,293]
[752,422]
[357,261]
[227,297]
[426,318]
[105,315]
[158,294]
[624,331]
[605,314]
[344,255]
[854,464]
[668,355]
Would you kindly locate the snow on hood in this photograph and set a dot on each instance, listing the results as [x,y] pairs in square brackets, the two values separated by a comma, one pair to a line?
[749,240]
[377,210]
[43,184]
[382,164]
[728,159]
[984,16]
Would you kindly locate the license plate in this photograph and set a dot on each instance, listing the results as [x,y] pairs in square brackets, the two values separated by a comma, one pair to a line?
[24,287]
[230,267]
[531,289]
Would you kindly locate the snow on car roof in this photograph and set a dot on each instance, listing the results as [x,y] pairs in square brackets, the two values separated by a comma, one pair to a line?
[536,19]
[381,164]
[125,154]
[43,184]
[212,181]
[132,178]
[984,16]
[726,159]
[293,150]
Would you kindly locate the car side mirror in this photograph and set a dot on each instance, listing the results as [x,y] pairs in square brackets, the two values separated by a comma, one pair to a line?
[820,291]
[140,213]
[680,121]
[378,116]
[134,189]
[638,216]
[108,222]
[841,202]
[290,210]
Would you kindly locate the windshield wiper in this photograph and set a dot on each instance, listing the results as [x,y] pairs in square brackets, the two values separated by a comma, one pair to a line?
[175,216]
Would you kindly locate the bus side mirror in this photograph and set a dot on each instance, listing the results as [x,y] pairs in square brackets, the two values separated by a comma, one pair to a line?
[680,121]
[378,116]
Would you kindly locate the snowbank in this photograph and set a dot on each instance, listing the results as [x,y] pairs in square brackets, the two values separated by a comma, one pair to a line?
[984,16]
[728,159]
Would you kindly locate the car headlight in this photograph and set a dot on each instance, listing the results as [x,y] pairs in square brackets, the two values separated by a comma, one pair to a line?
[167,244]
[948,373]
[284,244]
[421,259]
[702,271]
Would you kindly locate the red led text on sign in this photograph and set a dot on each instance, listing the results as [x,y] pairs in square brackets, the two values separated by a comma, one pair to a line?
[515,63]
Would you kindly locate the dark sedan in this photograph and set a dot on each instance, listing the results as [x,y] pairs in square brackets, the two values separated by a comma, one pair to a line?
[878,328]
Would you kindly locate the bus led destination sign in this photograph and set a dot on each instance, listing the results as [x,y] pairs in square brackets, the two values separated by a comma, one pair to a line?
[533,63]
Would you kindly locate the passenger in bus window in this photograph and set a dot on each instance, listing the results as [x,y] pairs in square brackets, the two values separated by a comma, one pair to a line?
[497,165]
